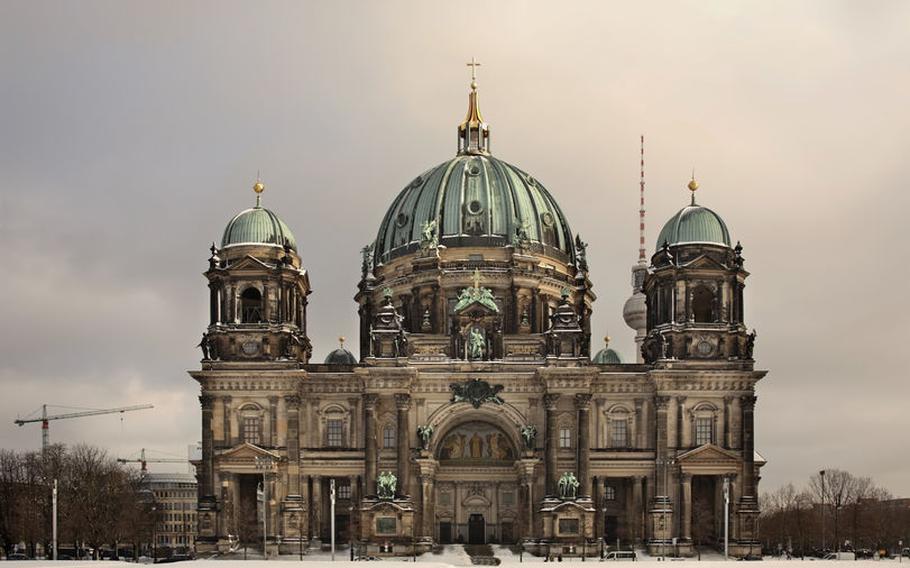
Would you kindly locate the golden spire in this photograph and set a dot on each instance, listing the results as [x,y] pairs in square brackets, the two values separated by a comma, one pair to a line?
[341,341]
[693,186]
[473,132]
[606,341]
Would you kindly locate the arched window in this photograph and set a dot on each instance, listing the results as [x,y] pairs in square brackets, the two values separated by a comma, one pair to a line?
[703,305]
[704,424]
[251,306]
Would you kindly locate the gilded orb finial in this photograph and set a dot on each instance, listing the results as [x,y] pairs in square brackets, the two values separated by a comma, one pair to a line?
[341,341]
[606,341]
[693,185]
[259,187]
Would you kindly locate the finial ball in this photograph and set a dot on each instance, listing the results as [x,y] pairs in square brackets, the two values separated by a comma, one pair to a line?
[259,187]
[607,339]
[693,185]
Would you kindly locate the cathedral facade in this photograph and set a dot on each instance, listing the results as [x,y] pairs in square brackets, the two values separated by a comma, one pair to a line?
[476,411]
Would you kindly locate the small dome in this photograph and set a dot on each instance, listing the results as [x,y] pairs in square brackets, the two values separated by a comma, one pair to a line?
[694,224]
[257,226]
[607,356]
[340,356]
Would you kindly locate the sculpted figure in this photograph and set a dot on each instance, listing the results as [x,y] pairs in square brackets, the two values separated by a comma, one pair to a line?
[476,344]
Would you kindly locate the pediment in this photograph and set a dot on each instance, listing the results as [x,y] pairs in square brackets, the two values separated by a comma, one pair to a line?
[566,506]
[704,261]
[248,452]
[709,454]
[250,263]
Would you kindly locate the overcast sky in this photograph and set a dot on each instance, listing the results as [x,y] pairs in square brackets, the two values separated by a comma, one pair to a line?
[131,132]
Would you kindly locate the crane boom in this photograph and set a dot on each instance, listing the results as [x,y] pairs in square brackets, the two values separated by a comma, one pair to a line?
[145,461]
[44,419]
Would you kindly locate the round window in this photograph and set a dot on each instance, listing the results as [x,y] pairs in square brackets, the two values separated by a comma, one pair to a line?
[546,218]
[417,181]
[473,170]
[401,220]
[475,207]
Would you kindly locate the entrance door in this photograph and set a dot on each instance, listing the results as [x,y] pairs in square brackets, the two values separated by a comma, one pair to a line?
[611,529]
[445,533]
[704,510]
[477,529]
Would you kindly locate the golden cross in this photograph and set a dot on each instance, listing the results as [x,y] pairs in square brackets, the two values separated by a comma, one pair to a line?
[473,65]
[476,278]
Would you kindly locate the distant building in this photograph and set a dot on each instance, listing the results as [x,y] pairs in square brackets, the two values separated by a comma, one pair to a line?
[175,506]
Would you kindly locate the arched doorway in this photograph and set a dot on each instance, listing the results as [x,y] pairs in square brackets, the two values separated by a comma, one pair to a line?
[477,491]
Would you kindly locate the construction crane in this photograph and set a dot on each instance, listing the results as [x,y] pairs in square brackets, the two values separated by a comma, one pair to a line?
[44,419]
[145,461]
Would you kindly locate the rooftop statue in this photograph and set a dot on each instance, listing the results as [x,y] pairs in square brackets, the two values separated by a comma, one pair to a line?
[476,295]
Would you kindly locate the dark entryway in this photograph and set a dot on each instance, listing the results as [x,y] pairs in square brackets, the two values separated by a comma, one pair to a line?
[704,509]
[248,524]
[477,529]
[611,528]
[445,533]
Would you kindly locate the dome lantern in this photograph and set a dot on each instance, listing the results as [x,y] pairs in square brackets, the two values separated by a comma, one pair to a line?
[473,132]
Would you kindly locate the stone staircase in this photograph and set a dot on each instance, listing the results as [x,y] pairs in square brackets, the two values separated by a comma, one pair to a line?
[481,554]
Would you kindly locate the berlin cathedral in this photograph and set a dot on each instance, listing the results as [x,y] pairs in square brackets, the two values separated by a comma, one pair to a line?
[476,412]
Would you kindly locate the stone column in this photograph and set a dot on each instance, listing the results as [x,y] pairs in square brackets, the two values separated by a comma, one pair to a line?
[207,481]
[292,406]
[549,401]
[369,431]
[227,439]
[316,506]
[353,404]
[748,410]
[428,484]
[680,421]
[660,405]
[597,496]
[686,482]
[728,434]
[638,442]
[583,455]
[637,508]
[273,421]
[403,404]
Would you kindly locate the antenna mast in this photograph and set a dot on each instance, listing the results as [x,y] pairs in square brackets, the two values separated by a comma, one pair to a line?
[641,210]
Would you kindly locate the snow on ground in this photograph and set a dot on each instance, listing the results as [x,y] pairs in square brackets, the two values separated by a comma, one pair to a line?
[451,556]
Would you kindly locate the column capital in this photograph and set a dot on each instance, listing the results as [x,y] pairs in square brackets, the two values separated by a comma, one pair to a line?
[292,400]
[681,399]
[403,401]
[685,478]
[748,401]
[206,401]
[369,400]
[550,399]
[583,401]
[661,402]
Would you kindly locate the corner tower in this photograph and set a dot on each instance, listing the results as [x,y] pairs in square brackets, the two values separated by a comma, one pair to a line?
[694,291]
[257,292]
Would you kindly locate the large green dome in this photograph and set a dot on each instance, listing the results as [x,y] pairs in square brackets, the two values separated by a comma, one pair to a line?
[694,224]
[258,226]
[476,200]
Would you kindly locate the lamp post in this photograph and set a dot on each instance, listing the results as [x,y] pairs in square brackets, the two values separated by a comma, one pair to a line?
[54,521]
[726,517]
[821,474]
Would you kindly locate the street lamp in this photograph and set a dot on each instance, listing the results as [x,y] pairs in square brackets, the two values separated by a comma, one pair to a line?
[726,517]
[821,474]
